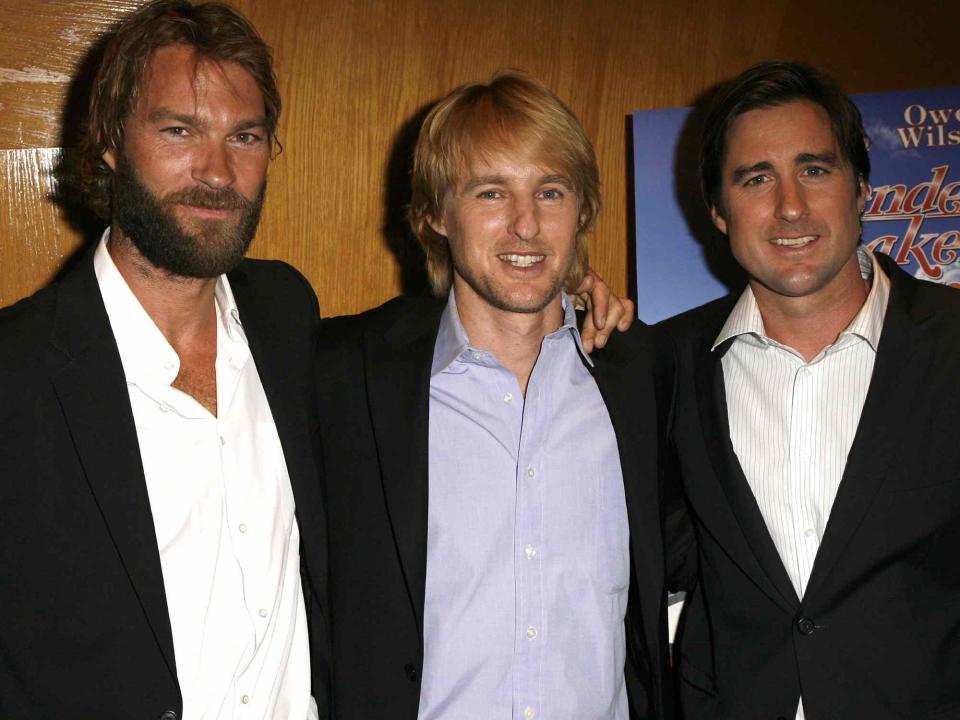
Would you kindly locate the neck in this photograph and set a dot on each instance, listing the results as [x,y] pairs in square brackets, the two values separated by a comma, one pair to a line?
[183,308]
[514,337]
[809,324]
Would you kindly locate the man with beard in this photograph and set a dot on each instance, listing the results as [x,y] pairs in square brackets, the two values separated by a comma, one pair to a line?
[159,479]
[162,537]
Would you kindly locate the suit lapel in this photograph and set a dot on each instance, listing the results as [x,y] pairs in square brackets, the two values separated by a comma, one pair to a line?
[290,396]
[397,369]
[748,532]
[96,405]
[879,434]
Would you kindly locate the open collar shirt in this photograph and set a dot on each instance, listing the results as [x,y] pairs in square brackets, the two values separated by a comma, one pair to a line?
[528,541]
[792,422]
[223,513]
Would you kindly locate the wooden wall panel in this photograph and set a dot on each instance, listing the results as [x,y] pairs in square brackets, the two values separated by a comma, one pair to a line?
[356,76]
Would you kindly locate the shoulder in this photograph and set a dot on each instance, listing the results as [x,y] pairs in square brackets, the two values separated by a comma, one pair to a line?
[271,280]
[689,331]
[26,328]
[707,318]
[400,315]
[923,299]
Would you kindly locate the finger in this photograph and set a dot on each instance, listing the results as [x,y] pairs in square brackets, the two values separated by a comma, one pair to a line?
[629,315]
[588,332]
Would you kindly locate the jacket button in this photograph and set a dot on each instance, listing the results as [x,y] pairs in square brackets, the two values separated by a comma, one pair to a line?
[806,626]
[411,672]
[168,715]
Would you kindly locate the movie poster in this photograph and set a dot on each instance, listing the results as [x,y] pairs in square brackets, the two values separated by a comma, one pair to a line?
[912,213]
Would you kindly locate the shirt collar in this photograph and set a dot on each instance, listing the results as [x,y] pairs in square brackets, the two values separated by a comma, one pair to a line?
[745,320]
[453,343]
[144,351]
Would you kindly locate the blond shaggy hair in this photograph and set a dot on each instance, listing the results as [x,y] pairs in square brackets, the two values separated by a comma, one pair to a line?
[513,114]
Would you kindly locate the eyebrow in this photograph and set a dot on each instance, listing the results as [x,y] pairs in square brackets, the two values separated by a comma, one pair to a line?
[826,158]
[166,114]
[476,182]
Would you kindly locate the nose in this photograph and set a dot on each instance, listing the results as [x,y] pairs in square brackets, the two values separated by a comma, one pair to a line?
[213,166]
[791,200]
[525,220]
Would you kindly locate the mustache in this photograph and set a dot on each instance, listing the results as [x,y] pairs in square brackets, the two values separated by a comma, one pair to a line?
[209,198]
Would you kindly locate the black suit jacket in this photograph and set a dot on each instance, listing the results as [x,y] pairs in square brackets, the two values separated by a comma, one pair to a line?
[85,627]
[374,384]
[877,634]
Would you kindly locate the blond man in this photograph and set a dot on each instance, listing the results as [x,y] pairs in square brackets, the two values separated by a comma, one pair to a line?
[495,541]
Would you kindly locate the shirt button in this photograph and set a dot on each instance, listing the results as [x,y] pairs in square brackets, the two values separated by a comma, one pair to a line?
[807,371]
[508,397]
[242,528]
[245,699]
[477,356]
[528,712]
[223,441]
[531,632]
[164,407]
[530,472]
[262,613]
[531,552]
[809,532]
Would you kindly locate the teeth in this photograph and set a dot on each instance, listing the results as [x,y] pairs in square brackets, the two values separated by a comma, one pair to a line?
[794,242]
[521,260]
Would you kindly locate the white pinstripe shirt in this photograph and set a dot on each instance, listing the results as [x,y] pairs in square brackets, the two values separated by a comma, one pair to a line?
[792,422]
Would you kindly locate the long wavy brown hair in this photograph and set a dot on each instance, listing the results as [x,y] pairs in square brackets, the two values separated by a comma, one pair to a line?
[214,30]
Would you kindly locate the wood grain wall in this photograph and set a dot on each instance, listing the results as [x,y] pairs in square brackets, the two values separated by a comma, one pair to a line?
[356,76]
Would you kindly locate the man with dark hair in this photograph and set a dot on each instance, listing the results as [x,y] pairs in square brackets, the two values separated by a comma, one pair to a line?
[495,537]
[159,478]
[815,433]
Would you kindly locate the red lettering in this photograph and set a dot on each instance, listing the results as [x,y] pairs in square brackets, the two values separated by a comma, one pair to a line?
[945,247]
[949,201]
[933,189]
[880,195]
[912,245]
[883,244]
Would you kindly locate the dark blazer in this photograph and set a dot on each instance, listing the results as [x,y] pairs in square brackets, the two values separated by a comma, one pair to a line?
[85,628]
[374,385]
[877,634]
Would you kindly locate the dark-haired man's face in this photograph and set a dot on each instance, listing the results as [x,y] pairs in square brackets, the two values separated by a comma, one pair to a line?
[791,204]
[189,182]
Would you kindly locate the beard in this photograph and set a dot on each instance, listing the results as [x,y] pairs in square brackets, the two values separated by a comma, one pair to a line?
[208,248]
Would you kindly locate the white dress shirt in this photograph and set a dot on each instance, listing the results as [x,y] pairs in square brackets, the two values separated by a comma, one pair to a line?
[223,512]
[792,422]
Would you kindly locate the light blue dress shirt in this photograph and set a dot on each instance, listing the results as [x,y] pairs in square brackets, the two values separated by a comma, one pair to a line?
[528,541]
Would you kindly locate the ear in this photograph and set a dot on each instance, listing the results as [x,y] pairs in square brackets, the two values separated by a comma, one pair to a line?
[718,220]
[864,190]
[110,158]
[437,225]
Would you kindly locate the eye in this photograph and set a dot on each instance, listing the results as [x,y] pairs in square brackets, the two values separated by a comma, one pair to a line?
[815,171]
[552,194]
[176,131]
[488,194]
[755,181]
[249,138]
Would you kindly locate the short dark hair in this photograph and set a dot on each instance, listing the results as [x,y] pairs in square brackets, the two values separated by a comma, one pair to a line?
[770,84]
[214,30]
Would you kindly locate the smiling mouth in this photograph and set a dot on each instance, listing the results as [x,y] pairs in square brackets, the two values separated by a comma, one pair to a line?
[794,241]
[521,261]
